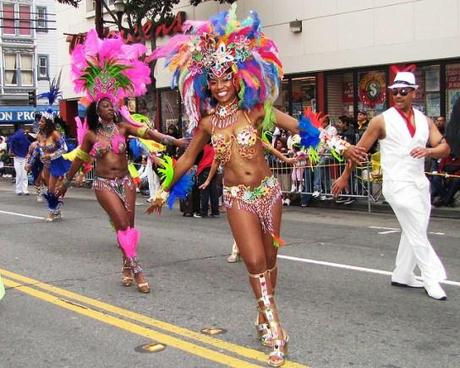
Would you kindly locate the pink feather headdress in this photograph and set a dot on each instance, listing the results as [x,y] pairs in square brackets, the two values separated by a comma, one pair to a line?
[108,68]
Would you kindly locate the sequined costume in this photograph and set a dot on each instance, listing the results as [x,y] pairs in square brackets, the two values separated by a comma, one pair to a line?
[116,186]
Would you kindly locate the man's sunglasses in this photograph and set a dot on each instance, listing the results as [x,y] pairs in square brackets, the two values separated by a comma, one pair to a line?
[401,91]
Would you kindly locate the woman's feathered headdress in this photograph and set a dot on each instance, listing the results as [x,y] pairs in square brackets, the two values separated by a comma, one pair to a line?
[108,68]
[215,46]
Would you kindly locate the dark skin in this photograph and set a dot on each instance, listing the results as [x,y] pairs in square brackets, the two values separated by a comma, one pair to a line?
[114,165]
[376,131]
[256,247]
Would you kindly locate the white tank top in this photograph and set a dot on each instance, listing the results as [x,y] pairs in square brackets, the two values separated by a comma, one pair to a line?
[397,164]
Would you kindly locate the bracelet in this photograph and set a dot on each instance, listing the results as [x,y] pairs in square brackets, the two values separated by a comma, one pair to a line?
[167,140]
[142,132]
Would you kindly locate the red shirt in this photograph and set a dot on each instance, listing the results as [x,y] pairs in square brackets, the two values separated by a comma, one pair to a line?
[206,160]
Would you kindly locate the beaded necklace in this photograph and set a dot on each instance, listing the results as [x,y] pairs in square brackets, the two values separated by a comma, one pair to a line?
[225,115]
[106,130]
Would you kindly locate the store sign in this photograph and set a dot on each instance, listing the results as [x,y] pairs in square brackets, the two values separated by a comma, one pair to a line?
[14,114]
[372,89]
[139,35]
[453,77]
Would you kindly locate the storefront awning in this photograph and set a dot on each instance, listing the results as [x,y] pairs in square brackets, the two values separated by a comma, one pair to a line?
[21,114]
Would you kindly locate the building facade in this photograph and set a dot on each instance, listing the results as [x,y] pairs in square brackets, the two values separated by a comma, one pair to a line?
[27,59]
[339,56]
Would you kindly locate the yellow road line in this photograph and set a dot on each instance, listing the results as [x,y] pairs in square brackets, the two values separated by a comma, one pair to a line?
[136,329]
[219,344]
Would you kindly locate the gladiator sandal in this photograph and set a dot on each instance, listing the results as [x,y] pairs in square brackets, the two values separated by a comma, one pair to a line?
[279,339]
[142,285]
[262,327]
[127,273]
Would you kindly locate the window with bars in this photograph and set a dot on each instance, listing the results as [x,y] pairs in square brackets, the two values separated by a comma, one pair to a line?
[8,19]
[43,67]
[42,24]
[18,69]
[16,19]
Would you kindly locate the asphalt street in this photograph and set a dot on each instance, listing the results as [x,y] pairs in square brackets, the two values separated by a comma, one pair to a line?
[65,306]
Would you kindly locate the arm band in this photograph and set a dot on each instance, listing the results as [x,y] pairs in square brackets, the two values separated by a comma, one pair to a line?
[142,132]
[82,155]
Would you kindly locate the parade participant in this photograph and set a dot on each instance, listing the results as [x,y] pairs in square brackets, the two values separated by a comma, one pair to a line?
[49,150]
[35,166]
[234,69]
[403,133]
[105,139]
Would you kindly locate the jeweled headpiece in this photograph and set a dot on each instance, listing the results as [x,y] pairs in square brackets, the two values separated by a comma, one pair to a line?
[211,48]
[109,68]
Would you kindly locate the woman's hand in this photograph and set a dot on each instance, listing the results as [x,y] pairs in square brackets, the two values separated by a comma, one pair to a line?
[420,152]
[292,160]
[182,142]
[339,185]
[204,185]
[156,206]
[60,190]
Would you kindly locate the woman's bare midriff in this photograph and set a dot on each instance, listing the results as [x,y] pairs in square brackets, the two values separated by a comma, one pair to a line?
[112,166]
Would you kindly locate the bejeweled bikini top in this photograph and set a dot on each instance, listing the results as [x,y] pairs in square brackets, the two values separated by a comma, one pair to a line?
[115,143]
[245,137]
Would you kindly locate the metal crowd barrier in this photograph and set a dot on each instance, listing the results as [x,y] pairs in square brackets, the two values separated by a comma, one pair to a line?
[363,182]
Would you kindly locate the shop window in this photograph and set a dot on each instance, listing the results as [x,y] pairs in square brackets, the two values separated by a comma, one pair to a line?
[42,25]
[169,109]
[427,96]
[282,102]
[372,92]
[452,87]
[339,95]
[303,94]
[8,19]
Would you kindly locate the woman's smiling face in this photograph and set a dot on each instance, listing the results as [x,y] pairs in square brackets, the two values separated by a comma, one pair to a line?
[222,88]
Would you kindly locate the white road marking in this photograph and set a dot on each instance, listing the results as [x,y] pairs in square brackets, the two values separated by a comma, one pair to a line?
[22,215]
[353,268]
[391,230]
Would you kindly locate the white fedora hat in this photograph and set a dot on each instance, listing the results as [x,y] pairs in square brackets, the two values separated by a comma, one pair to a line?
[404,79]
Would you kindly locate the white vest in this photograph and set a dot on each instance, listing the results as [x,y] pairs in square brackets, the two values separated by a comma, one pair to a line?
[397,164]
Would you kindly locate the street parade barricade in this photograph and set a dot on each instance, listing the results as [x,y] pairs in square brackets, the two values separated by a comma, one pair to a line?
[364,183]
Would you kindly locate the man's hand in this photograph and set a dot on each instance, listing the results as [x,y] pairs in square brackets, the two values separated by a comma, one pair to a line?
[420,152]
[339,185]
[355,154]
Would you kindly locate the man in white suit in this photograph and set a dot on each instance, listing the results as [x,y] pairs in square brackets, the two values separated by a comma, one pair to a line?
[403,133]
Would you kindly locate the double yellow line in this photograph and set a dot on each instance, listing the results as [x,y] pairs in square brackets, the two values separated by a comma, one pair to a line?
[187,340]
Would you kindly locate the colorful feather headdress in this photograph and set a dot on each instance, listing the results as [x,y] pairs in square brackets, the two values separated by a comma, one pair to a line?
[108,68]
[215,46]
[54,92]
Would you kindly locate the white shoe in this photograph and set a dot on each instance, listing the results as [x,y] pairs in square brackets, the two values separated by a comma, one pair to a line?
[315,194]
[293,188]
[414,283]
[287,202]
[39,198]
[435,291]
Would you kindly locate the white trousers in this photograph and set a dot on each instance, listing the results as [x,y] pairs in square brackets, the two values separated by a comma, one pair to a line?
[22,183]
[152,178]
[411,205]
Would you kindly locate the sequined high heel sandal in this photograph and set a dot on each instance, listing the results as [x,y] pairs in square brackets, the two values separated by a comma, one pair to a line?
[127,278]
[235,256]
[143,286]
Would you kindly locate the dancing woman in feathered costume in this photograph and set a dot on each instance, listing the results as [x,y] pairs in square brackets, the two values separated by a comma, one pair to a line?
[107,71]
[228,74]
